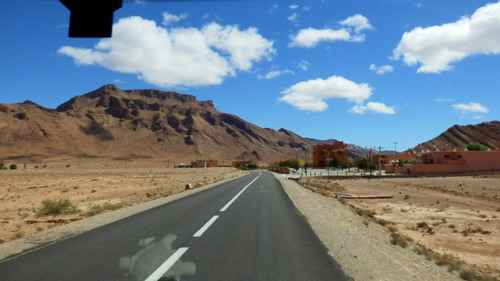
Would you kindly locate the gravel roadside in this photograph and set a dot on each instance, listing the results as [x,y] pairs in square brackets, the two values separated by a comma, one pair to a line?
[362,248]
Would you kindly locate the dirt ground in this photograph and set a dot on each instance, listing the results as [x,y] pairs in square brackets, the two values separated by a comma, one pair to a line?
[458,216]
[23,191]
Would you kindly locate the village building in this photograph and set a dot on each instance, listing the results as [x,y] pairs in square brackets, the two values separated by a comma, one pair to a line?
[324,153]
[239,163]
[447,162]
[205,163]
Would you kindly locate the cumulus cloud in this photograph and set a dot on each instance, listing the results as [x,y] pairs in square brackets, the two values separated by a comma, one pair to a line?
[311,95]
[275,74]
[311,37]
[294,7]
[358,22]
[177,56]
[169,18]
[375,107]
[381,70]
[350,32]
[471,107]
[435,48]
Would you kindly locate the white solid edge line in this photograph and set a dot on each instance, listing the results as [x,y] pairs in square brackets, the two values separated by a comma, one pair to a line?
[200,232]
[158,273]
[237,195]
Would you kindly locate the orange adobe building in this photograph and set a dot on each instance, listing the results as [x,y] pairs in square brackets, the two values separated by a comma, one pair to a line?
[323,153]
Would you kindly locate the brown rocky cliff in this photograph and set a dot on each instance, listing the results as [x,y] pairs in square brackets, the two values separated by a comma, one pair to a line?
[116,124]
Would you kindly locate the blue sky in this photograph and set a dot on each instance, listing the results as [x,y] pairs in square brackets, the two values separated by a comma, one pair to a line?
[366,72]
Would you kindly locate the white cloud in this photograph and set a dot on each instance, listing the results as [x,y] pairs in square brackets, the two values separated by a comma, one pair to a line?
[311,37]
[311,95]
[471,107]
[293,7]
[294,17]
[358,22]
[275,74]
[437,47]
[375,107]
[381,70]
[304,65]
[169,18]
[177,56]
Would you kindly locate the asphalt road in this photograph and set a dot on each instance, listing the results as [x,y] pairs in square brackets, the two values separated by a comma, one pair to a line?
[246,229]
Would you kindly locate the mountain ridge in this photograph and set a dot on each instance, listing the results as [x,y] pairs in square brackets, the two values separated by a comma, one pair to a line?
[113,123]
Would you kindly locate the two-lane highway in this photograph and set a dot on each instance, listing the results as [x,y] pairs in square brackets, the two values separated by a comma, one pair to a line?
[246,229]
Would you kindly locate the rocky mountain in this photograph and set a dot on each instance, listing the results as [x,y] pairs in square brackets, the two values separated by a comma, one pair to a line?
[110,123]
[487,134]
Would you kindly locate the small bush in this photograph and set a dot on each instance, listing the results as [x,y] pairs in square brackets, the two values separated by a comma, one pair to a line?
[421,250]
[383,222]
[13,167]
[421,224]
[397,239]
[392,229]
[96,209]
[63,206]
[468,275]
[364,213]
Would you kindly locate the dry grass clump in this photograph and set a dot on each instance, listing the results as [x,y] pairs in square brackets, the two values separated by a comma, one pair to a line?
[452,263]
[60,207]
[326,188]
[96,209]
[397,239]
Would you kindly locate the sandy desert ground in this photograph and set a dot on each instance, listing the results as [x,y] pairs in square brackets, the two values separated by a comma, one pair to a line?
[23,191]
[458,216]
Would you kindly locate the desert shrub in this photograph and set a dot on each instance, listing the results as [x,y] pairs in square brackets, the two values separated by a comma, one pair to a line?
[397,239]
[468,275]
[421,224]
[96,209]
[2,166]
[364,213]
[60,207]
[392,228]
[13,167]
[476,147]
[382,222]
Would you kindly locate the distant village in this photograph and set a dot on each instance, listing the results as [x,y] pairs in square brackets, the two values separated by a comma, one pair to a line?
[459,160]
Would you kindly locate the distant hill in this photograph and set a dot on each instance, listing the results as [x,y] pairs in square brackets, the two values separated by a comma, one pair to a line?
[487,134]
[139,124]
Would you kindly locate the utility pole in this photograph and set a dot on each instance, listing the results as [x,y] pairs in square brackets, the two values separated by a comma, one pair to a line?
[380,161]
[395,150]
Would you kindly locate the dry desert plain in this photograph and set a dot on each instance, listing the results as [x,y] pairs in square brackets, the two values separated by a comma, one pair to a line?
[23,192]
[457,216]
